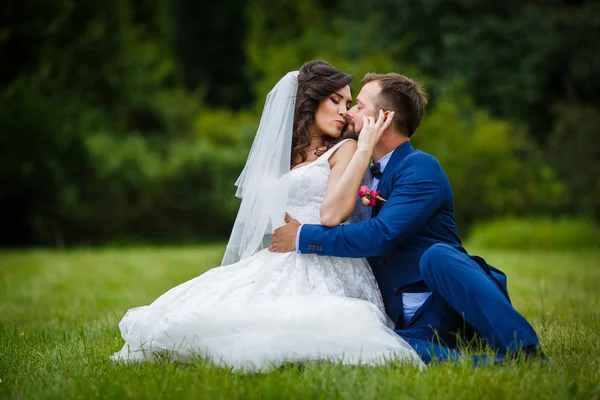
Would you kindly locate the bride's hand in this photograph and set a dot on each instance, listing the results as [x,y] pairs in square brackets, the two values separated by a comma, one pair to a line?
[372,130]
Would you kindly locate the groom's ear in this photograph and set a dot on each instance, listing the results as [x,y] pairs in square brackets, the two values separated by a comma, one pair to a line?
[386,115]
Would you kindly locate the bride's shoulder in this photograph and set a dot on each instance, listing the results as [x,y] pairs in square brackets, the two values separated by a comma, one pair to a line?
[347,146]
[343,151]
[348,142]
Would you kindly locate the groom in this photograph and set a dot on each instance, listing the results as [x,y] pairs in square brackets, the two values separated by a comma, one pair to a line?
[432,288]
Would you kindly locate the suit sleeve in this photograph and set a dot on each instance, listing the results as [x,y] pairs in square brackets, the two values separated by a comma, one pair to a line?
[417,193]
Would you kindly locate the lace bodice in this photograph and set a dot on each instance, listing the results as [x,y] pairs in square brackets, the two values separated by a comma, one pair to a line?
[307,190]
[308,184]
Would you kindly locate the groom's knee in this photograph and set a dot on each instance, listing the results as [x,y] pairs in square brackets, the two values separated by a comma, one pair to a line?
[435,260]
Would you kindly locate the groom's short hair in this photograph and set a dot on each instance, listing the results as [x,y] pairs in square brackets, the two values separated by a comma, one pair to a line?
[404,96]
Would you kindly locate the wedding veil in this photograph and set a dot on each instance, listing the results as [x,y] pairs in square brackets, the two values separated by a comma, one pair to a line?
[262,186]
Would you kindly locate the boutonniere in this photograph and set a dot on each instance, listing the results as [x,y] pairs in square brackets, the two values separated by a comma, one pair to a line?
[369,197]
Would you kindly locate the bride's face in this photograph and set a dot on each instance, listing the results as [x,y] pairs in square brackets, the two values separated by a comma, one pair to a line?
[330,116]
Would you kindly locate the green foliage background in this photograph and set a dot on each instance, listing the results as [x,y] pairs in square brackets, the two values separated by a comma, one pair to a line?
[129,121]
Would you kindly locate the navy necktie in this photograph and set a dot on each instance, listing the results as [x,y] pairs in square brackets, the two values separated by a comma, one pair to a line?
[375,171]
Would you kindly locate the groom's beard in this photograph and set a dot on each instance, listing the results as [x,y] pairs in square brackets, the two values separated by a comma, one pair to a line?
[349,131]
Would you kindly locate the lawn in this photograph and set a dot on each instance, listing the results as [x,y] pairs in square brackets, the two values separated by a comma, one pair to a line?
[59,312]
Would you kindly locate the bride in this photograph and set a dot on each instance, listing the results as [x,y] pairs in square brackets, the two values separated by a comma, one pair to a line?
[261,309]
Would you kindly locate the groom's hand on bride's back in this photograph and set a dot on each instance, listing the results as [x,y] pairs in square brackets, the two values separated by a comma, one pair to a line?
[284,237]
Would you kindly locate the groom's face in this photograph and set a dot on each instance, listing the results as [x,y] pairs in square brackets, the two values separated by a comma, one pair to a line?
[365,107]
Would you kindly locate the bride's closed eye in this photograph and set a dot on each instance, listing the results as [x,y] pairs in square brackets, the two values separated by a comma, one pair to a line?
[337,102]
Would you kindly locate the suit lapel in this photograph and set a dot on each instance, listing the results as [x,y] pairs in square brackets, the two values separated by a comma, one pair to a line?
[386,178]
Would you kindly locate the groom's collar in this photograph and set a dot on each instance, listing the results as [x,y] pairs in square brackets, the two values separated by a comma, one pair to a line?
[400,153]
[384,160]
[397,156]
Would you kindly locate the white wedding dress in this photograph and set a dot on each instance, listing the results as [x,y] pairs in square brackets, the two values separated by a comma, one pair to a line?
[272,308]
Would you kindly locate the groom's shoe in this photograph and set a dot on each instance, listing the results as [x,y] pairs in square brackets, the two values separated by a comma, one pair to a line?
[531,353]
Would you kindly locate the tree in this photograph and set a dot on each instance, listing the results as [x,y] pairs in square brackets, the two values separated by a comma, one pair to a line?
[516,58]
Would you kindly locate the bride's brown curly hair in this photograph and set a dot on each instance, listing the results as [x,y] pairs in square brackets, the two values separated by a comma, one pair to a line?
[316,80]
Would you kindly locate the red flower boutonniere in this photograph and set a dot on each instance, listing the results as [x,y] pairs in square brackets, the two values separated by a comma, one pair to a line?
[369,197]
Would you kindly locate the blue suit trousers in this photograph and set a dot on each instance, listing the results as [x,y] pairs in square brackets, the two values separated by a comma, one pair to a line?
[466,299]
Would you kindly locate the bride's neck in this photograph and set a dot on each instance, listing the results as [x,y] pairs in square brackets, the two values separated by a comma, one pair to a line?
[316,142]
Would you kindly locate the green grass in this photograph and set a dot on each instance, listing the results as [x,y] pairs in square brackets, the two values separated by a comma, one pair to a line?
[536,233]
[59,312]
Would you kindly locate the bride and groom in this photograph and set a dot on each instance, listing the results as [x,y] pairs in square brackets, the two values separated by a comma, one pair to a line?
[309,272]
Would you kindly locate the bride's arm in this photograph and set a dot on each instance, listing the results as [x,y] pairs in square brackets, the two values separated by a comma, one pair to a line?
[349,164]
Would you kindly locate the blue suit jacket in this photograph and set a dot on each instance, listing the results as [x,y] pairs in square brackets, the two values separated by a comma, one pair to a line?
[418,213]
